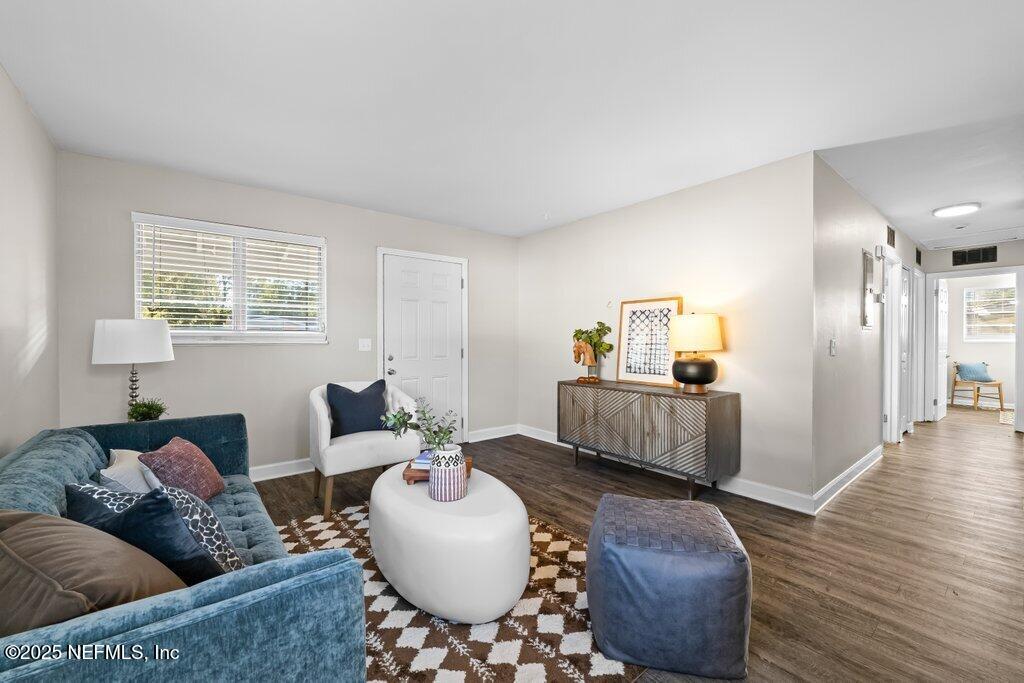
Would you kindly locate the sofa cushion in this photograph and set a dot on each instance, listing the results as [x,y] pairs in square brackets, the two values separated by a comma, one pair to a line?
[32,478]
[60,569]
[241,513]
[356,411]
[152,525]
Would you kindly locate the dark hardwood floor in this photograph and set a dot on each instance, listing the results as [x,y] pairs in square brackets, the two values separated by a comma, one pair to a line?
[915,571]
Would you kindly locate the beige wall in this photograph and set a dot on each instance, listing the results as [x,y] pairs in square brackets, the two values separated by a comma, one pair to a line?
[268,383]
[941,260]
[28,265]
[847,386]
[999,355]
[739,246]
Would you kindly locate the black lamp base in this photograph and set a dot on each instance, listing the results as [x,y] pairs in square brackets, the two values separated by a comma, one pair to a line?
[695,374]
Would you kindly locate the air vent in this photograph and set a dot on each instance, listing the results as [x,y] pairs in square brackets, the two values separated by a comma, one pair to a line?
[970,257]
[890,236]
[917,256]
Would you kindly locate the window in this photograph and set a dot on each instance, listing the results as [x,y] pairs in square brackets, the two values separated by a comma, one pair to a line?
[990,313]
[223,283]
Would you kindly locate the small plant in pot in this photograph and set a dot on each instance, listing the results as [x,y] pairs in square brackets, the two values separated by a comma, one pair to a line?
[146,409]
[447,462]
[589,347]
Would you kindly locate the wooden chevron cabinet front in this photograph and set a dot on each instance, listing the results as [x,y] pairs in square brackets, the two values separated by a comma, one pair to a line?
[660,428]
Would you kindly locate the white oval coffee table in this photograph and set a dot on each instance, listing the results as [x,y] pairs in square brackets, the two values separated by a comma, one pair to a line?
[466,561]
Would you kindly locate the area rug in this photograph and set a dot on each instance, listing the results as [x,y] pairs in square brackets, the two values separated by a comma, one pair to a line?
[546,636]
[1006,417]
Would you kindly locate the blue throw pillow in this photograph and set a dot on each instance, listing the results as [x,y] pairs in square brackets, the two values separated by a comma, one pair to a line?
[152,525]
[356,411]
[973,372]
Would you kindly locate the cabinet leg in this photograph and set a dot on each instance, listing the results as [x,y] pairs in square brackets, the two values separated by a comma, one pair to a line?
[575,455]
[691,488]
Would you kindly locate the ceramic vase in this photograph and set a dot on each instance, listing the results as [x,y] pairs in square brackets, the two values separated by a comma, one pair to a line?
[448,474]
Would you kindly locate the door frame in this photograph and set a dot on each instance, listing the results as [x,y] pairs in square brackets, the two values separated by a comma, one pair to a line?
[931,391]
[920,299]
[892,277]
[464,264]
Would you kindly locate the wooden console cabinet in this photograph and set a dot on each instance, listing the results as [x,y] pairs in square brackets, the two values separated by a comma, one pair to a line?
[659,428]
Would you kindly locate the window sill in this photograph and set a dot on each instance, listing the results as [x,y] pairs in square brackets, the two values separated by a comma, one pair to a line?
[193,339]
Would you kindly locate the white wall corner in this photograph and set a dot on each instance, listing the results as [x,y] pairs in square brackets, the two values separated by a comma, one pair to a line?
[834,487]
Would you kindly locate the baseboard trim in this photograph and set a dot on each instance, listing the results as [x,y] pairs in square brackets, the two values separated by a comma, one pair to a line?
[280,469]
[540,435]
[830,490]
[491,433]
[766,493]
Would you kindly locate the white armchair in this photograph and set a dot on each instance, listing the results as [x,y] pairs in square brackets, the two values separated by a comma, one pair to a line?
[358,451]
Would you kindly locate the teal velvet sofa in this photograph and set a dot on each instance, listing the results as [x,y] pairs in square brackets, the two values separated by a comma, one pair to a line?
[282,617]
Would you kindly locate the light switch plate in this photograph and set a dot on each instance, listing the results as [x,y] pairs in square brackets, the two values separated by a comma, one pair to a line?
[365,344]
[833,347]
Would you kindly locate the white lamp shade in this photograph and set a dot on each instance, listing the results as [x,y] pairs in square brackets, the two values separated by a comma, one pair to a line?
[123,342]
[694,332]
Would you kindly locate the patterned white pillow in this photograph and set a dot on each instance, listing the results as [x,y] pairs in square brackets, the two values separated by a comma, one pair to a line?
[201,521]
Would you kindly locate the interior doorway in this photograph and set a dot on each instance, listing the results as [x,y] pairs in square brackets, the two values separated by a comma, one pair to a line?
[974,345]
[903,290]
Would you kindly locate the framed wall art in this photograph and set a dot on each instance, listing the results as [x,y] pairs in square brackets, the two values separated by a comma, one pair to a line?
[644,355]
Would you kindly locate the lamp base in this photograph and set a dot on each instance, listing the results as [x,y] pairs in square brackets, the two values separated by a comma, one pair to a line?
[695,374]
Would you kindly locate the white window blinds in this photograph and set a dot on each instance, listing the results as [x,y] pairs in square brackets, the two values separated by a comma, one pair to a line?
[223,283]
[990,313]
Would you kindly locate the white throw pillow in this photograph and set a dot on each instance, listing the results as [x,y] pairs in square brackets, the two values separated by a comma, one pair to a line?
[126,470]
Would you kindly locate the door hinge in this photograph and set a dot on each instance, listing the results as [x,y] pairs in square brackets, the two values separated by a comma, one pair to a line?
[885,418]
[462,421]
[935,401]
[462,353]
[463,285]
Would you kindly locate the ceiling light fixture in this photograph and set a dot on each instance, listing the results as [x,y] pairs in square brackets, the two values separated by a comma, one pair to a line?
[956,210]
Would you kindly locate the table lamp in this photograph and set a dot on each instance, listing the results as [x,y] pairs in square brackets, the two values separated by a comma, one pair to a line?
[694,333]
[128,342]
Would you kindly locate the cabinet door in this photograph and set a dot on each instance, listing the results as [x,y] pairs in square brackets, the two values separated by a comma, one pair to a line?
[620,426]
[577,415]
[676,434]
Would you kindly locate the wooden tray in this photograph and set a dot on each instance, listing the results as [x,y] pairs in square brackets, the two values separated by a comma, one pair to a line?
[412,476]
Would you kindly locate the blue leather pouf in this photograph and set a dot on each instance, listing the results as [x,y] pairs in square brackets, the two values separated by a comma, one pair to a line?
[668,586]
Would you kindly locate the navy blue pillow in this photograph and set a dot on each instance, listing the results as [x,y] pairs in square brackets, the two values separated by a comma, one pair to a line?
[356,411]
[152,525]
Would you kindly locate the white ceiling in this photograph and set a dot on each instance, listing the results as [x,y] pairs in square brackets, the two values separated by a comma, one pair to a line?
[907,177]
[506,116]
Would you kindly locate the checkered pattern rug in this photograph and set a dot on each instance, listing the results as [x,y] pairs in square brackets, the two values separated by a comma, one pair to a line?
[546,636]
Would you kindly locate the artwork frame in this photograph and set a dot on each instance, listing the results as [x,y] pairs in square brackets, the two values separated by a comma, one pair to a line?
[644,356]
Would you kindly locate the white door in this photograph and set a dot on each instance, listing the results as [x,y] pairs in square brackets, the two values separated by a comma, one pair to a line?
[422,335]
[941,348]
[905,332]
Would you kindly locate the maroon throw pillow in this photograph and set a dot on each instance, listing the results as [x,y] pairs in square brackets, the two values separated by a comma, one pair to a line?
[183,465]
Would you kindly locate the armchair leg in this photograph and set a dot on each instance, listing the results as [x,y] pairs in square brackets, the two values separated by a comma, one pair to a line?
[328,492]
[316,483]
[1001,397]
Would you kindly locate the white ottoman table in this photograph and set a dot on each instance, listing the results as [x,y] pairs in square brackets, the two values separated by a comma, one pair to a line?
[467,561]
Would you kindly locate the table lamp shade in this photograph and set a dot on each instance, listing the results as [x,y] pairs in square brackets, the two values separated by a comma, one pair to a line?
[125,342]
[695,332]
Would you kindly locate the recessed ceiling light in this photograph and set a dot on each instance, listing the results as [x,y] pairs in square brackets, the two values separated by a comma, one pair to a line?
[956,210]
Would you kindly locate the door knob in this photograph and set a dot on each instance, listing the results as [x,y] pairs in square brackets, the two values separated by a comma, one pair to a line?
[390,357]
[391,371]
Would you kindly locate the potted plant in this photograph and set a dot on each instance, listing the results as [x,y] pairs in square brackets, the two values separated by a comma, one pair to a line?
[447,462]
[589,347]
[146,409]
